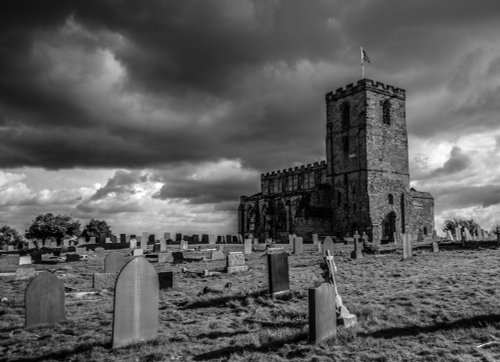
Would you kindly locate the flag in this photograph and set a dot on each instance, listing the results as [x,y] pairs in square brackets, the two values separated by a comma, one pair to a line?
[366,58]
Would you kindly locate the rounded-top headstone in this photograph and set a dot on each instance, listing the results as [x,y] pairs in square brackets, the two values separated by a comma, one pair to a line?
[135,315]
[328,245]
[114,262]
[44,300]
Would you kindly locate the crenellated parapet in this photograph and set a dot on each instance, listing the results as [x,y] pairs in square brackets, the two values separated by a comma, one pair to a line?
[366,84]
[295,178]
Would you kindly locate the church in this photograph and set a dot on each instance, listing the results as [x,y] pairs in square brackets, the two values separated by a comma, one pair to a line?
[364,184]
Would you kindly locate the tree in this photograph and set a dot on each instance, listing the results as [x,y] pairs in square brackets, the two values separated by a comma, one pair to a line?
[47,225]
[9,236]
[461,223]
[96,228]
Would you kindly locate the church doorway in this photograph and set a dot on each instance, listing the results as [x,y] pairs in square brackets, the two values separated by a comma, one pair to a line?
[389,228]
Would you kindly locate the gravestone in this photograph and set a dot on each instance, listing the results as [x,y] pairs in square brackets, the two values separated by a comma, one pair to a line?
[322,313]
[178,237]
[107,240]
[102,281]
[216,255]
[178,257]
[80,250]
[133,243]
[248,246]
[435,247]
[183,245]
[25,273]
[144,244]
[31,244]
[204,238]
[36,258]
[327,245]
[165,257]
[235,262]
[81,241]
[156,248]
[123,238]
[136,300]
[277,271]
[92,240]
[166,280]
[65,243]
[211,239]
[114,262]
[229,238]
[167,236]
[315,239]
[25,260]
[407,247]
[467,235]
[138,252]
[458,234]
[290,239]
[196,239]
[358,247]
[44,300]
[449,235]
[298,245]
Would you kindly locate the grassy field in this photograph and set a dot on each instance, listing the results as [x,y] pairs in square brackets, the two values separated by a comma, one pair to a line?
[433,307]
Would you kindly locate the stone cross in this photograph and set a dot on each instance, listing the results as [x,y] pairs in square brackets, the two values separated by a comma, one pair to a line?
[136,301]
[44,300]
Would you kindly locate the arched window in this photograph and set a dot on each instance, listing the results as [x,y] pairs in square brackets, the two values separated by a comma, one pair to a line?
[390,199]
[345,112]
[386,112]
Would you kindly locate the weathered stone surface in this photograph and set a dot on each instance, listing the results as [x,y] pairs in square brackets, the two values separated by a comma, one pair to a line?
[102,281]
[277,271]
[165,257]
[135,316]
[235,262]
[248,246]
[163,245]
[322,313]
[114,262]
[80,251]
[44,300]
[25,260]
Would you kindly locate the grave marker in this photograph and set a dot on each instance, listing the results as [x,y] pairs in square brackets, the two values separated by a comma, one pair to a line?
[25,260]
[138,252]
[114,262]
[178,257]
[277,271]
[322,313]
[163,245]
[328,245]
[166,280]
[298,245]
[248,246]
[235,262]
[357,253]
[315,239]
[135,316]
[44,300]
[435,247]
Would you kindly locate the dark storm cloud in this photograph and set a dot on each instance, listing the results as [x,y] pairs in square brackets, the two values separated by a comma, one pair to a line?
[184,60]
[461,197]
[457,162]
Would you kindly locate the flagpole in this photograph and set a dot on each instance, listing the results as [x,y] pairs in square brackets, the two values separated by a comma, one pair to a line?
[362,64]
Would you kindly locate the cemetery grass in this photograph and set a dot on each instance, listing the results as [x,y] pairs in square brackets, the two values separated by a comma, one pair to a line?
[432,307]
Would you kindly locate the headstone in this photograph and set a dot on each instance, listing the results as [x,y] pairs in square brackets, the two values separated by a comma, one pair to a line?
[31,244]
[25,273]
[138,252]
[277,271]
[123,238]
[235,262]
[178,237]
[144,244]
[133,243]
[204,238]
[65,242]
[467,235]
[167,236]
[102,238]
[298,245]
[80,250]
[156,248]
[107,240]
[151,238]
[102,281]
[25,260]
[72,257]
[135,316]
[92,240]
[229,238]
[322,313]
[211,239]
[435,247]
[166,280]
[216,255]
[82,240]
[178,257]
[98,249]
[235,239]
[248,246]
[114,262]
[184,245]
[163,245]
[315,239]
[165,257]
[290,239]
[458,234]
[358,247]
[196,239]
[44,300]
[328,245]
[407,247]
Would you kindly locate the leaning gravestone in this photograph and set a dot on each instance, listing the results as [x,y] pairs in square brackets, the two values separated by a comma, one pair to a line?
[277,271]
[328,245]
[322,313]
[135,316]
[44,300]
[114,262]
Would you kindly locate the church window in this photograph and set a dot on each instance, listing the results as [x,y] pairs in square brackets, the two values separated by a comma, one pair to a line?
[386,112]
[270,187]
[425,230]
[391,199]
[301,181]
[345,112]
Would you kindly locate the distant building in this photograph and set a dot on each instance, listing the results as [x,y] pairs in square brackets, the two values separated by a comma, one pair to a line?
[364,184]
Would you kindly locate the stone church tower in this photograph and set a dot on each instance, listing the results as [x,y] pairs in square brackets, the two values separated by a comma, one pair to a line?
[366,177]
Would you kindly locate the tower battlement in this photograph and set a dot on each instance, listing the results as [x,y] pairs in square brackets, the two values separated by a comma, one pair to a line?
[295,170]
[365,84]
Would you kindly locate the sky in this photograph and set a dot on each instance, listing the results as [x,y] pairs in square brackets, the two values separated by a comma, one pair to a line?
[157,115]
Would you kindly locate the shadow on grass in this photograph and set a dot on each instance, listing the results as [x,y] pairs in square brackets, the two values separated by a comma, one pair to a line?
[221,301]
[219,334]
[283,324]
[478,321]
[63,355]
[271,346]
